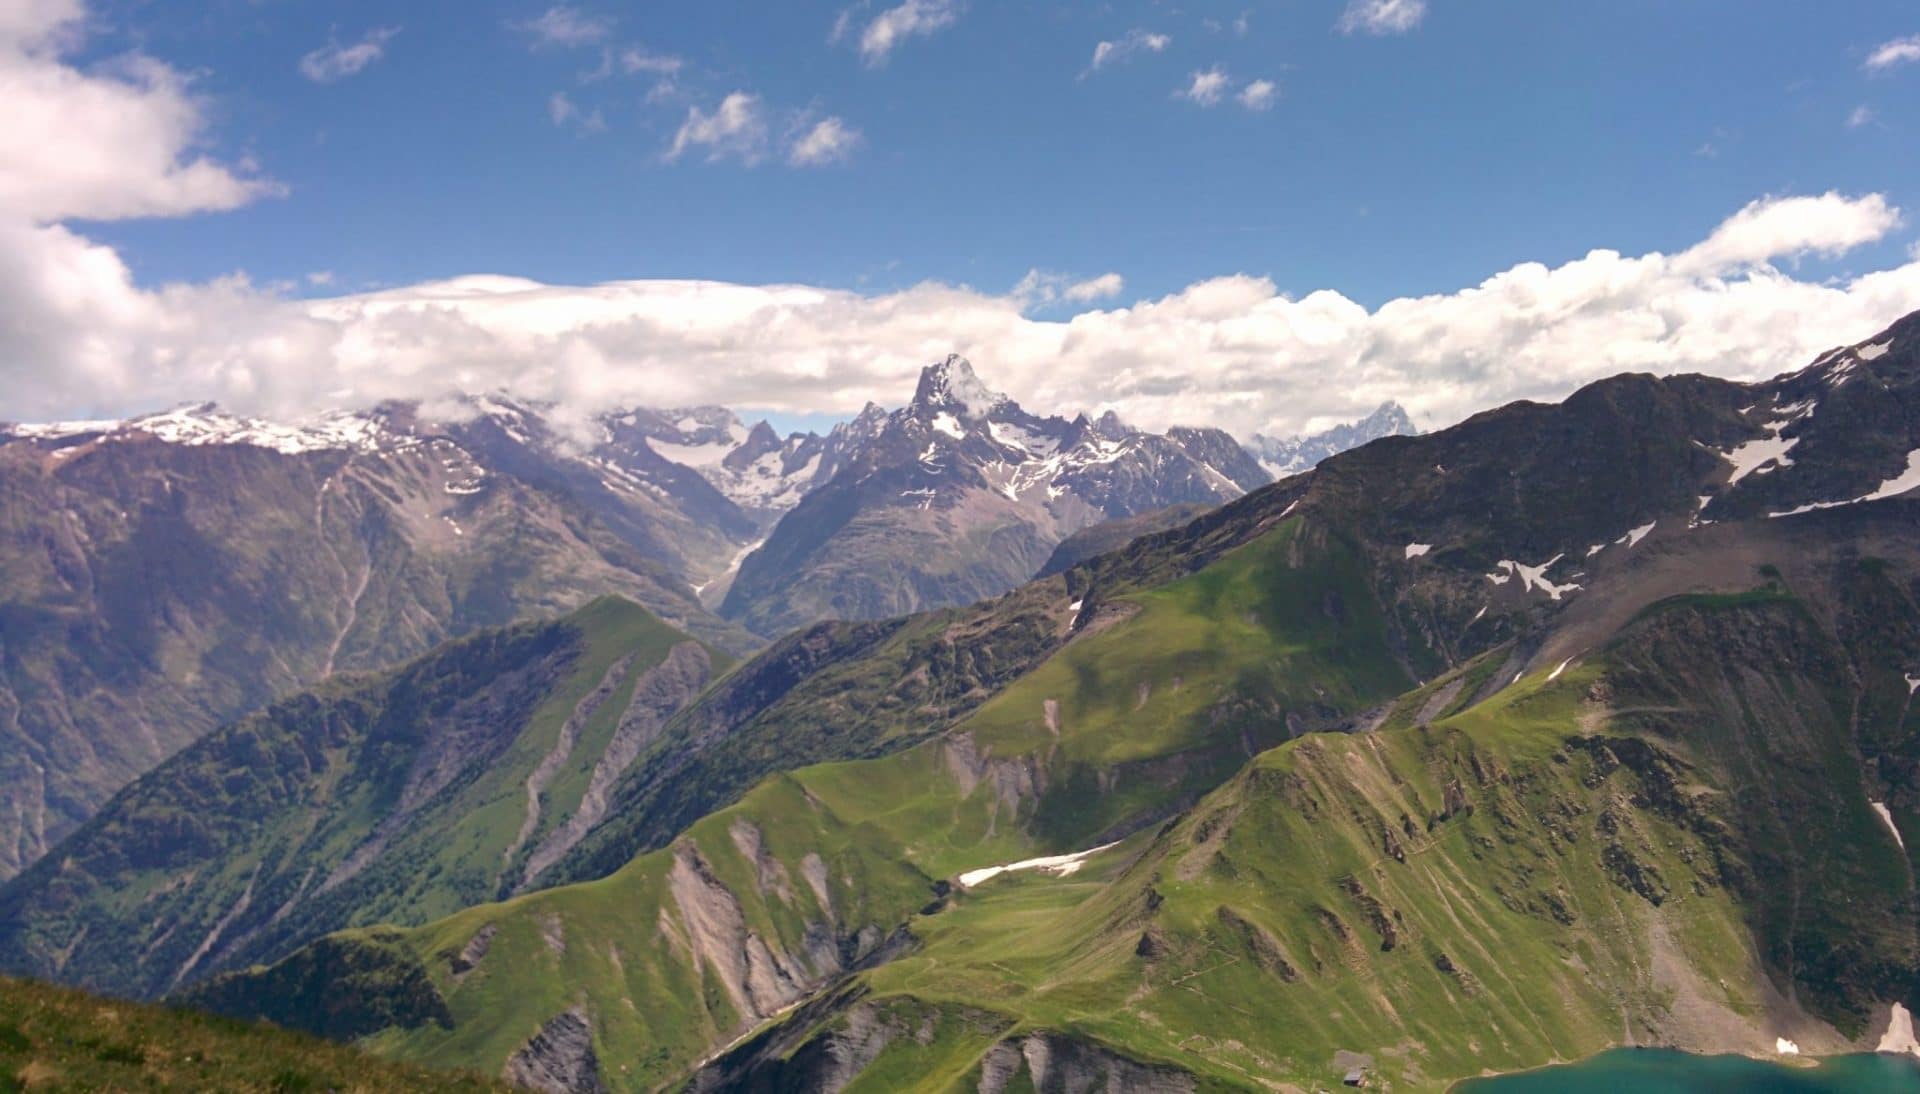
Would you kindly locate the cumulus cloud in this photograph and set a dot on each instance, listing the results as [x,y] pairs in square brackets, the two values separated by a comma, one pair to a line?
[736,129]
[1900,51]
[1862,116]
[1382,16]
[337,61]
[1205,86]
[1790,227]
[117,140]
[1258,95]
[912,19]
[565,27]
[1119,49]
[828,140]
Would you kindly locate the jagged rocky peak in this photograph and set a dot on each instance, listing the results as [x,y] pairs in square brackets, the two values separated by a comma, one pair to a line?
[1288,455]
[761,441]
[952,385]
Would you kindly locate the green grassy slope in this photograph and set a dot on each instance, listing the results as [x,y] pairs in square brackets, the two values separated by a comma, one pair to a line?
[811,874]
[1582,861]
[394,798]
[57,1039]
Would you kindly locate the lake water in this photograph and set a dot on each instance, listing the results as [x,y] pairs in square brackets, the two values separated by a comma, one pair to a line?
[1663,1071]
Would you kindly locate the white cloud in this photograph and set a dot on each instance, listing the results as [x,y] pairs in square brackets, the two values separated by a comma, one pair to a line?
[914,18]
[1382,16]
[1774,228]
[1205,87]
[565,27]
[828,140]
[1862,116]
[117,140]
[639,59]
[1899,51]
[1095,288]
[1232,350]
[1258,95]
[1043,288]
[564,111]
[335,61]
[1125,46]
[735,129]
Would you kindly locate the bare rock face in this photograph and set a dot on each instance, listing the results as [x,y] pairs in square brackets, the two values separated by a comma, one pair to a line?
[559,1059]
[659,694]
[1052,1064]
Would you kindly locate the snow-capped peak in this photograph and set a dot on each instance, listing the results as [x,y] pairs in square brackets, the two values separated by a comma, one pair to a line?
[196,424]
[951,385]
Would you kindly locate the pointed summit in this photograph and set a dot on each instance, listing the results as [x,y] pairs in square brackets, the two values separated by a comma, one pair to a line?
[952,385]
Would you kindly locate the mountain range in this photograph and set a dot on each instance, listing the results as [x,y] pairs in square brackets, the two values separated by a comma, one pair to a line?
[1566,727]
[1283,456]
[172,571]
[962,495]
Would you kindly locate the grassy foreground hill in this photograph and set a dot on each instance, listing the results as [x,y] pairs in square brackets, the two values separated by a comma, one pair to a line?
[58,1039]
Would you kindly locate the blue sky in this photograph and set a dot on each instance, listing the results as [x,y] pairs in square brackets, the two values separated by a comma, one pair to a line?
[1270,216]
[1387,164]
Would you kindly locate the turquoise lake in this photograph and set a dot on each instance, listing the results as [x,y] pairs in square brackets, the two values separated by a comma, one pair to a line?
[1663,1071]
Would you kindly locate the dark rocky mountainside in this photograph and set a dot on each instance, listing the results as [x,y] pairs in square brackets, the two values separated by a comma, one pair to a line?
[962,495]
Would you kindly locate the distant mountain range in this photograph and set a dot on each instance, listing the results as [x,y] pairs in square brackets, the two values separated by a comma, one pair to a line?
[961,495]
[171,571]
[1283,456]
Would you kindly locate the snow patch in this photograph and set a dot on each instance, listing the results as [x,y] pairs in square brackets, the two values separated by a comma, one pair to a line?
[1899,1037]
[1913,683]
[1886,815]
[1076,605]
[1785,1047]
[1899,484]
[1415,550]
[1555,674]
[1477,615]
[1635,535]
[1874,352]
[1532,577]
[950,425]
[1760,456]
[1056,865]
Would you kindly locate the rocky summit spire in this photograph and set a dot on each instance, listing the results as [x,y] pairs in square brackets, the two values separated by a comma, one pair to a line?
[951,385]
